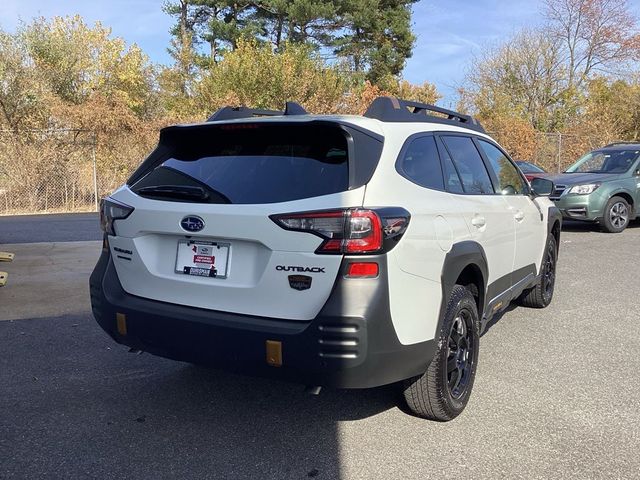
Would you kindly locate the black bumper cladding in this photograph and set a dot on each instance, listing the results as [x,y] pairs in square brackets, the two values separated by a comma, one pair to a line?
[350,344]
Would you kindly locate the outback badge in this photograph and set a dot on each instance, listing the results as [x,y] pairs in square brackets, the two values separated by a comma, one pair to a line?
[300,282]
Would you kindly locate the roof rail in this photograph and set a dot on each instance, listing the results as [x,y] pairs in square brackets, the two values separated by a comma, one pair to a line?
[621,143]
[232,113]
[392,109]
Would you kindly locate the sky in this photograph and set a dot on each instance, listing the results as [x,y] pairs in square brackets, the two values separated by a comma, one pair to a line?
[449,32]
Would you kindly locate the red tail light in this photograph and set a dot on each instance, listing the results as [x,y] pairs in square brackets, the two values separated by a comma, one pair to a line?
[349,231]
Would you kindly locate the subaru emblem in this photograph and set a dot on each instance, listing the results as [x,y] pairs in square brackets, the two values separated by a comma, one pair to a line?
[192,223]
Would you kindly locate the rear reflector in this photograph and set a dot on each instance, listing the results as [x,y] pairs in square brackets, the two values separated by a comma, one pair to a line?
[362,270]
[274,353]
[121,323]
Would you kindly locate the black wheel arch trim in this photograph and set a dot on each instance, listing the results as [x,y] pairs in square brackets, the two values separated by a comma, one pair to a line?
[554,216]
[461,256]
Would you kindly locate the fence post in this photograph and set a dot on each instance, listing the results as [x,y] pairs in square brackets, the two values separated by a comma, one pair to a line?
[95,171]
[559,151]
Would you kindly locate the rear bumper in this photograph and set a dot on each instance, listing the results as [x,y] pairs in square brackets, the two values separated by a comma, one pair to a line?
[350,344]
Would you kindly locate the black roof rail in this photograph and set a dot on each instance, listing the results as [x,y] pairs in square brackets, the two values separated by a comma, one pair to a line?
[232,113]
[621,143]
[392,109]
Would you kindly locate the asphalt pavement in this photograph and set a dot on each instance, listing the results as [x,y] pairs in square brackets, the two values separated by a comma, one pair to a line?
[60,227]
[557,393]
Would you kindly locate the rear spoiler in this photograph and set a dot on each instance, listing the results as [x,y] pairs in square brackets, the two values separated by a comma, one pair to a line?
[233,113]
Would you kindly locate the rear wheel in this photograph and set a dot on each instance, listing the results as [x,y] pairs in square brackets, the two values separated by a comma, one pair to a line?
[443,391]
[541,295]
[616,215]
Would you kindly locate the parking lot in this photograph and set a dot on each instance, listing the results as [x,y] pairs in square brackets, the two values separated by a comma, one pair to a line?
[557,394]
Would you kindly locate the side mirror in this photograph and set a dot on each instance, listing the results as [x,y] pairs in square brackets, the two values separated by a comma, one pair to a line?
[638,172]
[542,187]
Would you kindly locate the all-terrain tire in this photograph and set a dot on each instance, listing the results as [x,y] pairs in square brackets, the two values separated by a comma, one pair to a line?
[541,294]
[443,391]
[616,215]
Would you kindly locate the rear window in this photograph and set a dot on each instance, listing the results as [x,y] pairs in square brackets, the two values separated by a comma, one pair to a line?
[251,164]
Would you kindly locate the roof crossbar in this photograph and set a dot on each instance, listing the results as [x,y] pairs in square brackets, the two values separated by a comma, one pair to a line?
[232,113]
[392,109]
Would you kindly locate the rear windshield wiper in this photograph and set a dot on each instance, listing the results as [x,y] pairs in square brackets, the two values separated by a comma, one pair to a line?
[178,192]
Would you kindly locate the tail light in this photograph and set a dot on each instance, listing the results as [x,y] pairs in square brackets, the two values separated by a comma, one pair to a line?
[111,210]
[350,231]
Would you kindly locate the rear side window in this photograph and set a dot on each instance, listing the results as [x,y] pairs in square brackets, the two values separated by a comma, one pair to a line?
[473,174]
[251,164]
[420,163]
[451,177]
[511,182]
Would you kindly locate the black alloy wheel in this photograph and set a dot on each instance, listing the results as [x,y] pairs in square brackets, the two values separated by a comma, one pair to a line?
[461,357]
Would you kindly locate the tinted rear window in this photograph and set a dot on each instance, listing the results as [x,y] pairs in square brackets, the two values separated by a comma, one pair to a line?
[255,163]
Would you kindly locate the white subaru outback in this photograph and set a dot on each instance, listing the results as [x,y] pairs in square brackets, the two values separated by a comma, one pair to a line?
[343,251]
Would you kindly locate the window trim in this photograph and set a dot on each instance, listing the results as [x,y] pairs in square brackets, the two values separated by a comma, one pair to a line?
[405,146]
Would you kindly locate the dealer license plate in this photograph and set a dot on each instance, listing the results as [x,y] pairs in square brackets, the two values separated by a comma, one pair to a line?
[203,259]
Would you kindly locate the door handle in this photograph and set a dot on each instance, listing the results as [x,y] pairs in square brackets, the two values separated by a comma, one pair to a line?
[478,221]
[519,216]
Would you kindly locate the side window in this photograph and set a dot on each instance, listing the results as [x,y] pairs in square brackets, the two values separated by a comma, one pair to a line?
[469,164]
[451,178]
[511,182]
[421,163]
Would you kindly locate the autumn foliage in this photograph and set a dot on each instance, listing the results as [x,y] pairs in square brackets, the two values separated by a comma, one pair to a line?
[71,92]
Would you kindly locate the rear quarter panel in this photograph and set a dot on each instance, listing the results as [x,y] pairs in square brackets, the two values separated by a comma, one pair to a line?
[415,264]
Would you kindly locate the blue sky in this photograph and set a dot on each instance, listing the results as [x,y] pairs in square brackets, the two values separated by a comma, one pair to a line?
[449,31]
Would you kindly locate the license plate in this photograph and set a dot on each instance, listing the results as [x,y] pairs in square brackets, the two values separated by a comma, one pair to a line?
[203,259]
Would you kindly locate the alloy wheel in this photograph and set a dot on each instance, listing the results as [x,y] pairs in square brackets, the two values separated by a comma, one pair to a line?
[549,273]
[460,354]
[619,215]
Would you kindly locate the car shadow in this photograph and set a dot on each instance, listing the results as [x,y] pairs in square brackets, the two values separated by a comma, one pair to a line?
[576,226]
[594,227]
[497,317]
[89,408]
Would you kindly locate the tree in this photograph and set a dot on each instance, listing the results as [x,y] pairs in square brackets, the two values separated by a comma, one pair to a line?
[522,78]
[77,61]
[595,35]
[24,97]
[377,36]
[254,74]
[373,35]
[298,21]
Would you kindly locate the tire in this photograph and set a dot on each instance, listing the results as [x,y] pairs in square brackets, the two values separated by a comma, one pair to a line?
[443,391]
[541,294]
[617,214]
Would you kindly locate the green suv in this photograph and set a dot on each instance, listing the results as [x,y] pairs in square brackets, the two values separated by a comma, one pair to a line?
[602,186]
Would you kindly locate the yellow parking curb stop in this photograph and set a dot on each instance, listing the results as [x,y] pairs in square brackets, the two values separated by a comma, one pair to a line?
[3,278]
[6,256]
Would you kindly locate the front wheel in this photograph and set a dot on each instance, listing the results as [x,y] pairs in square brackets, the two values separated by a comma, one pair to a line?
[443,391]
[617,214]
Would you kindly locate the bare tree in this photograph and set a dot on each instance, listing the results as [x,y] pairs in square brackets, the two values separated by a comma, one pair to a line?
[596,36]
[524,77]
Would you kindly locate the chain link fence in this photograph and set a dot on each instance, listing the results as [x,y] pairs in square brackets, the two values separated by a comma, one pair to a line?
[59,170]
[554,152]
[46,171]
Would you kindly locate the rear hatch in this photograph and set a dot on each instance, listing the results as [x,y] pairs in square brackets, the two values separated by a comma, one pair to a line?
[200,233]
